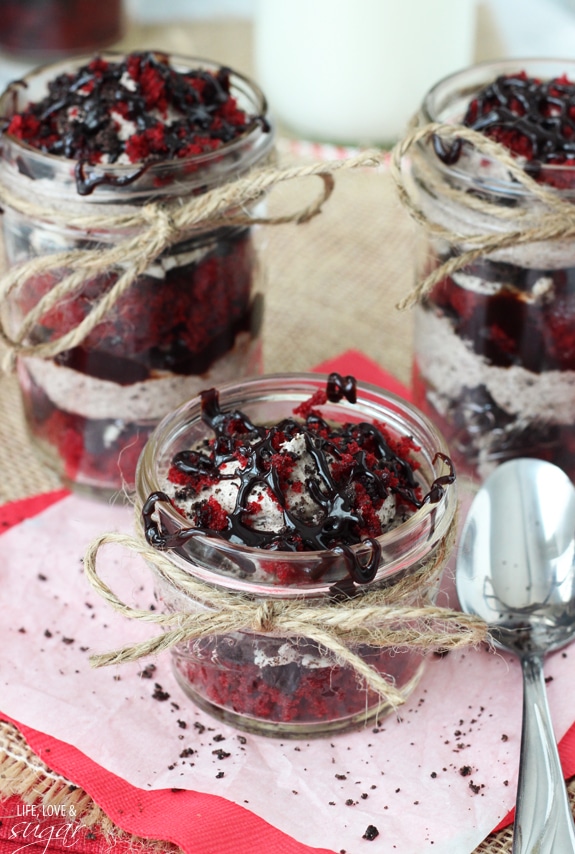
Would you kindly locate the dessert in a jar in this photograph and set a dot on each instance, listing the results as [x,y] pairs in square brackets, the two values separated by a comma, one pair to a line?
[99,154]
[495,334]
[290,491]
[49,29]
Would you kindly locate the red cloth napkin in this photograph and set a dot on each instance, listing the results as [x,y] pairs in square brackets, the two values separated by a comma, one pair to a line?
[197,822]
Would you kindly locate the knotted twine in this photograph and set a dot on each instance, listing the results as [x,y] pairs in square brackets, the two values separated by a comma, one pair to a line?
[553,220]
[158,226]
[381,617]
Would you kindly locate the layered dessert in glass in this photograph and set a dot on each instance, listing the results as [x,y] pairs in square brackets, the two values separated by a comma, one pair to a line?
[107,136]
[289,488]
[495,341]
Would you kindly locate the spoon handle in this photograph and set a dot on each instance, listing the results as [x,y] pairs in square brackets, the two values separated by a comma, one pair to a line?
[543,819]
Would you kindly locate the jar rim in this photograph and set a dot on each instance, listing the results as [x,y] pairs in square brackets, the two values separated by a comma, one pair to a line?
[234,149]
[421,531]
[443,102]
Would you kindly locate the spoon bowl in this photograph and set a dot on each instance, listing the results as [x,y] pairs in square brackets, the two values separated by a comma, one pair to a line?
[516,570]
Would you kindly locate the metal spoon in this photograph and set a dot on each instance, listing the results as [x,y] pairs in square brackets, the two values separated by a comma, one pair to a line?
[516,570]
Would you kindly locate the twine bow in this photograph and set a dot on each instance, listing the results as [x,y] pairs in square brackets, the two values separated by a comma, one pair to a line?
[157,226]
[553,220]
[380,617]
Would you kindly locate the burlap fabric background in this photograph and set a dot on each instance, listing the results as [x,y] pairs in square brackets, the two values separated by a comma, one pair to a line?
[333,284]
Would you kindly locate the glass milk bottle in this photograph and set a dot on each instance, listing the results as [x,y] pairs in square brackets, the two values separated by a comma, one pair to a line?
[355,71]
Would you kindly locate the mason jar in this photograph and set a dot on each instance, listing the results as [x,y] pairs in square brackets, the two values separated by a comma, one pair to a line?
[494,363]
[190,319]
[287,684]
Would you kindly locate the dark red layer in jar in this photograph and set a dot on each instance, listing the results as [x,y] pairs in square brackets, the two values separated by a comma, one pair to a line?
[472,421]
[181,320]
[102,451]
[182,324]
[52,27]
[290,693]
[509,319]
[528,321]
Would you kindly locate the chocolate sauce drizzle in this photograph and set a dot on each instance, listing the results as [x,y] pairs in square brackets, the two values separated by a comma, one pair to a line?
[338,387]
[87,180]
[541,112]
[337,530]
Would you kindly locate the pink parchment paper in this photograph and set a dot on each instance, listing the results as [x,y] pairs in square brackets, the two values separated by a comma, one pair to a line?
[439,777]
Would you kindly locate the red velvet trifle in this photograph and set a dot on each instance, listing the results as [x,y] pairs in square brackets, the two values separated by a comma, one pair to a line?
[92,141]
[288,489]
[495,338]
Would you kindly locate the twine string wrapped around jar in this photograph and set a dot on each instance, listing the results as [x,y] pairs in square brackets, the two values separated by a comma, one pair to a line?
[160,226]
[379,617]
[553,220]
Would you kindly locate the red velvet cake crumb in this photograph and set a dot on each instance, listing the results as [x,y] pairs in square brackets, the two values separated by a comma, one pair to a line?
[165,113]
[290,693]
[534,119]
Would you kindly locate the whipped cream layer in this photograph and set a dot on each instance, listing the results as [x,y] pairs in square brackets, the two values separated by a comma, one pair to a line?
[146,401]
[450,366]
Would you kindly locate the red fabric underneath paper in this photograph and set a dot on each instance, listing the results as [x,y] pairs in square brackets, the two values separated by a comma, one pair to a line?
[16,511]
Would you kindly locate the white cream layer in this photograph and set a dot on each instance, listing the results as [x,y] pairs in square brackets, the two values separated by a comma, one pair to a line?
[149,400]
[450,365]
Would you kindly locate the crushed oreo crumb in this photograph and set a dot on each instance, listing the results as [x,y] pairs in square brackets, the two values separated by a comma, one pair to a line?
[159,693]
[371,832]
[147,672]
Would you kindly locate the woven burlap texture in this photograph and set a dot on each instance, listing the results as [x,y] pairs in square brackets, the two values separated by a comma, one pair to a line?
[23,774]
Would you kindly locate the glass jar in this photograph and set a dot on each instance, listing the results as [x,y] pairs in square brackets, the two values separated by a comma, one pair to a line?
[51,28]
[290,685]
[191,319]
[494,359]
[353,58]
